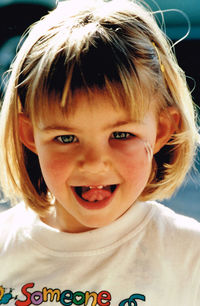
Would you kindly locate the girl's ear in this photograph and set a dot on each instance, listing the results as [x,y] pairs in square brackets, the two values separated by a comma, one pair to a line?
[26,132]
[168,122]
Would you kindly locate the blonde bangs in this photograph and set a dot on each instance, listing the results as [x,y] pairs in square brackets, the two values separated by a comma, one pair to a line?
[130,91]
[87,51]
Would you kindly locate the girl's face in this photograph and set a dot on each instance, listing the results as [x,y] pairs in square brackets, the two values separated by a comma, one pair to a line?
[96,162]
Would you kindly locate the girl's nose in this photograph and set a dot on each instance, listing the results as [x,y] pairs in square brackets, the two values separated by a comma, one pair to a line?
[94,161]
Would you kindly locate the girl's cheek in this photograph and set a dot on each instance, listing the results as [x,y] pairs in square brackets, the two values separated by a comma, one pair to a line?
[132,147]
[133,157]
[55,166]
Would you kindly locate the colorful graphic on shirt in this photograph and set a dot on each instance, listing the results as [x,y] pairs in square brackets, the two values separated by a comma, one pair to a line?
[132,300]
[65,297]
[5,297]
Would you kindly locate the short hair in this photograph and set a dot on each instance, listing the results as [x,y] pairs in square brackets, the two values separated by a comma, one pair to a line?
[115,46]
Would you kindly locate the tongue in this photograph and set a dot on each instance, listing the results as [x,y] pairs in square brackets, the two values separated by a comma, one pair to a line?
[96,194]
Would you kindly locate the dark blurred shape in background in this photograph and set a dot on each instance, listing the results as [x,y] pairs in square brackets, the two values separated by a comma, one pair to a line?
[183,18]
[15,17]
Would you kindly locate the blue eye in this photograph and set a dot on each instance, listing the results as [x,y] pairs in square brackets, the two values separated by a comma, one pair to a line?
[122,135]
[66,139]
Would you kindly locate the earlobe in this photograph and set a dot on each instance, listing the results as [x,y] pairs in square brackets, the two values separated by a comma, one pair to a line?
[167,125]
[26,133]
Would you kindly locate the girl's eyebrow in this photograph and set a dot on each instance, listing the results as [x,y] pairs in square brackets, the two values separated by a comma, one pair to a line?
[50,128]
[120,123]
[53,127]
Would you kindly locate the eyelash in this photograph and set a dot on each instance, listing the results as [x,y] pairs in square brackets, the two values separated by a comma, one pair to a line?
[72,138]
[122,135]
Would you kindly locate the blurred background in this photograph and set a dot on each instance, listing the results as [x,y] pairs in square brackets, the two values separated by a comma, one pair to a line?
[179,19]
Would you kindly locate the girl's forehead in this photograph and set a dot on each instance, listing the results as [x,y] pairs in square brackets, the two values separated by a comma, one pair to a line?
[97,109]
[83,104]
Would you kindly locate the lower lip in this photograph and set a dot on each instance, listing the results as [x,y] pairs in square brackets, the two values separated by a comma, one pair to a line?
[94,205]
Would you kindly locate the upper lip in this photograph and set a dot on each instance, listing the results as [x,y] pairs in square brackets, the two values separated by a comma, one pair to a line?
[95,180]
[94,185]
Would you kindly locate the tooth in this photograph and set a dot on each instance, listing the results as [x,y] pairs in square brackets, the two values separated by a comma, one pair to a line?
[98,187]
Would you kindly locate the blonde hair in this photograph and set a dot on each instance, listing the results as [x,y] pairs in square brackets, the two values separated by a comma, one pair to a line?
[115,46]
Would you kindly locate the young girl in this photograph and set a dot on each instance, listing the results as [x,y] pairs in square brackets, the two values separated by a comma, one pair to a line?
[97,123]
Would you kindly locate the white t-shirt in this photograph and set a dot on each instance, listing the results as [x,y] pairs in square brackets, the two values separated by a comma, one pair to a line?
[148,257]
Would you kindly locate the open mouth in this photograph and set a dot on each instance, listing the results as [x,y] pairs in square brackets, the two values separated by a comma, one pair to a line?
[94,193]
